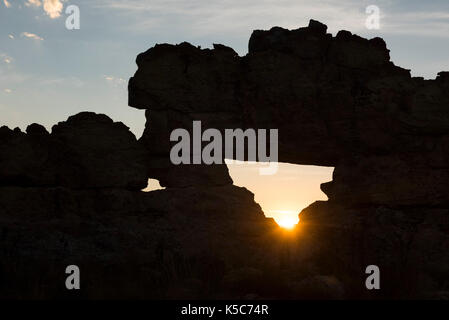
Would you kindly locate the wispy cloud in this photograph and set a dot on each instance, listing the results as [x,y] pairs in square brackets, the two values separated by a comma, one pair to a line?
[10,36]
[7,4]
[231,18]
[35,3]
[53,8]
[218,17]
[7,90]
[430,23]
[116,81]
[32,36]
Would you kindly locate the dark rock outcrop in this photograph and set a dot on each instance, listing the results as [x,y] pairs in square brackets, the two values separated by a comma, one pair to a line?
[73,196]
[86,151]
[128,244]
[156,139]
[336,101]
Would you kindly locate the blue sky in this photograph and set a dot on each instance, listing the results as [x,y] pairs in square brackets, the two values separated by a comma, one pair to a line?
[48,72]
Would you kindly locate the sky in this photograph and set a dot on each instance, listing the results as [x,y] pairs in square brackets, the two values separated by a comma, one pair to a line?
[48,72]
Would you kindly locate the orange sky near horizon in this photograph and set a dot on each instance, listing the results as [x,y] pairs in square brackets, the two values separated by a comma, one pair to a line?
[282,195]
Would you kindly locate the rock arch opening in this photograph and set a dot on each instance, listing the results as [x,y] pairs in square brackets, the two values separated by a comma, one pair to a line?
[283,195]
[153,184]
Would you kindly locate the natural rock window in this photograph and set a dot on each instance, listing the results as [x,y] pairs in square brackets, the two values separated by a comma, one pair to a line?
[283,195]
[153,184]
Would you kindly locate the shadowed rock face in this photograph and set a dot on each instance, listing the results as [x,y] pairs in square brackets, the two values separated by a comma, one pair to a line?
[86,151]
[73,196]
[173,243]
[336,101]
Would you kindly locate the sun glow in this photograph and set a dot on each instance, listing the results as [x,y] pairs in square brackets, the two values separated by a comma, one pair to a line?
[285,194]
[285,218]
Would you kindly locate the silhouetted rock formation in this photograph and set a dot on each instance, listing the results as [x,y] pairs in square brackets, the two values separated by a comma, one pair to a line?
[337,101]
[86,151]
[72,196]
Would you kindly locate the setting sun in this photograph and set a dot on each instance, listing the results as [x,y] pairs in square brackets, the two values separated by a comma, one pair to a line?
[286,219]
[285,194]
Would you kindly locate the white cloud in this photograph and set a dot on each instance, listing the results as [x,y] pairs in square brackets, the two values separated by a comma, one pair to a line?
[31,36]
[53,8]
[35,3]
[7,90]
[10,36]
[7,4]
